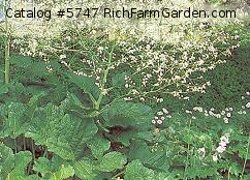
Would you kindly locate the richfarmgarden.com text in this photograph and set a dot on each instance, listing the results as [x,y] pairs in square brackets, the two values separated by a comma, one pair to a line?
[121,13]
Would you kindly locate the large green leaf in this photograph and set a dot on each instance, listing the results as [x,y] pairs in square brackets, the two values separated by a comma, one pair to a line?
[62,133]
[157,159]
[13,166]
[112,161]
[55,169]
[14,119]
[87,84]
[98,146]
[17,117]
[126,114]
[42,165]
[6,160]
[21,162]
[136,170]
[85,169]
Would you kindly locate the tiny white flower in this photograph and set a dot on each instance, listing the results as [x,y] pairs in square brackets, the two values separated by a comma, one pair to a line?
[200,109]
[156,117]
[62,56]
[218,116]
[220,149]
[142,99]
[225,120]
[159,121]
[165,110]
[100,49]
[160,113]
[228,115]
[240,112]
[211,113]
[188,112]
[215,157]
[223,144]
[153,121]
[248,105]
[162,118]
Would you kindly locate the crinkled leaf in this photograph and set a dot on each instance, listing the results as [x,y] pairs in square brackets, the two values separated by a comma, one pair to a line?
[141,151]
[6,160]
[22,160]
[55,169]
[87,84]
[17,117]
[62,133]
[13,120]
[126,114]
[136,170]
[75,100]
[42,165]
[64,172]
[112,161]
[85,169]
[98,146]
[13,166]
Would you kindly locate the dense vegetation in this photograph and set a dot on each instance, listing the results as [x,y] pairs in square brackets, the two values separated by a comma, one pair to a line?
[87,104]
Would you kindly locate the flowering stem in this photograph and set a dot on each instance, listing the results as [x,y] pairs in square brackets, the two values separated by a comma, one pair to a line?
[104,80]
[246,157]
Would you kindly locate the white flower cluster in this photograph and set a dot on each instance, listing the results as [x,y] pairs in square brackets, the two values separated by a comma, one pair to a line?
[226,114]
[224,141]
[245,107]
[129,81]
[161,116]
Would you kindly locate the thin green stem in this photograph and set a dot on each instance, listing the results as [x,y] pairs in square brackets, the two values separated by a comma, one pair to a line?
[246,157]
[188,150]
